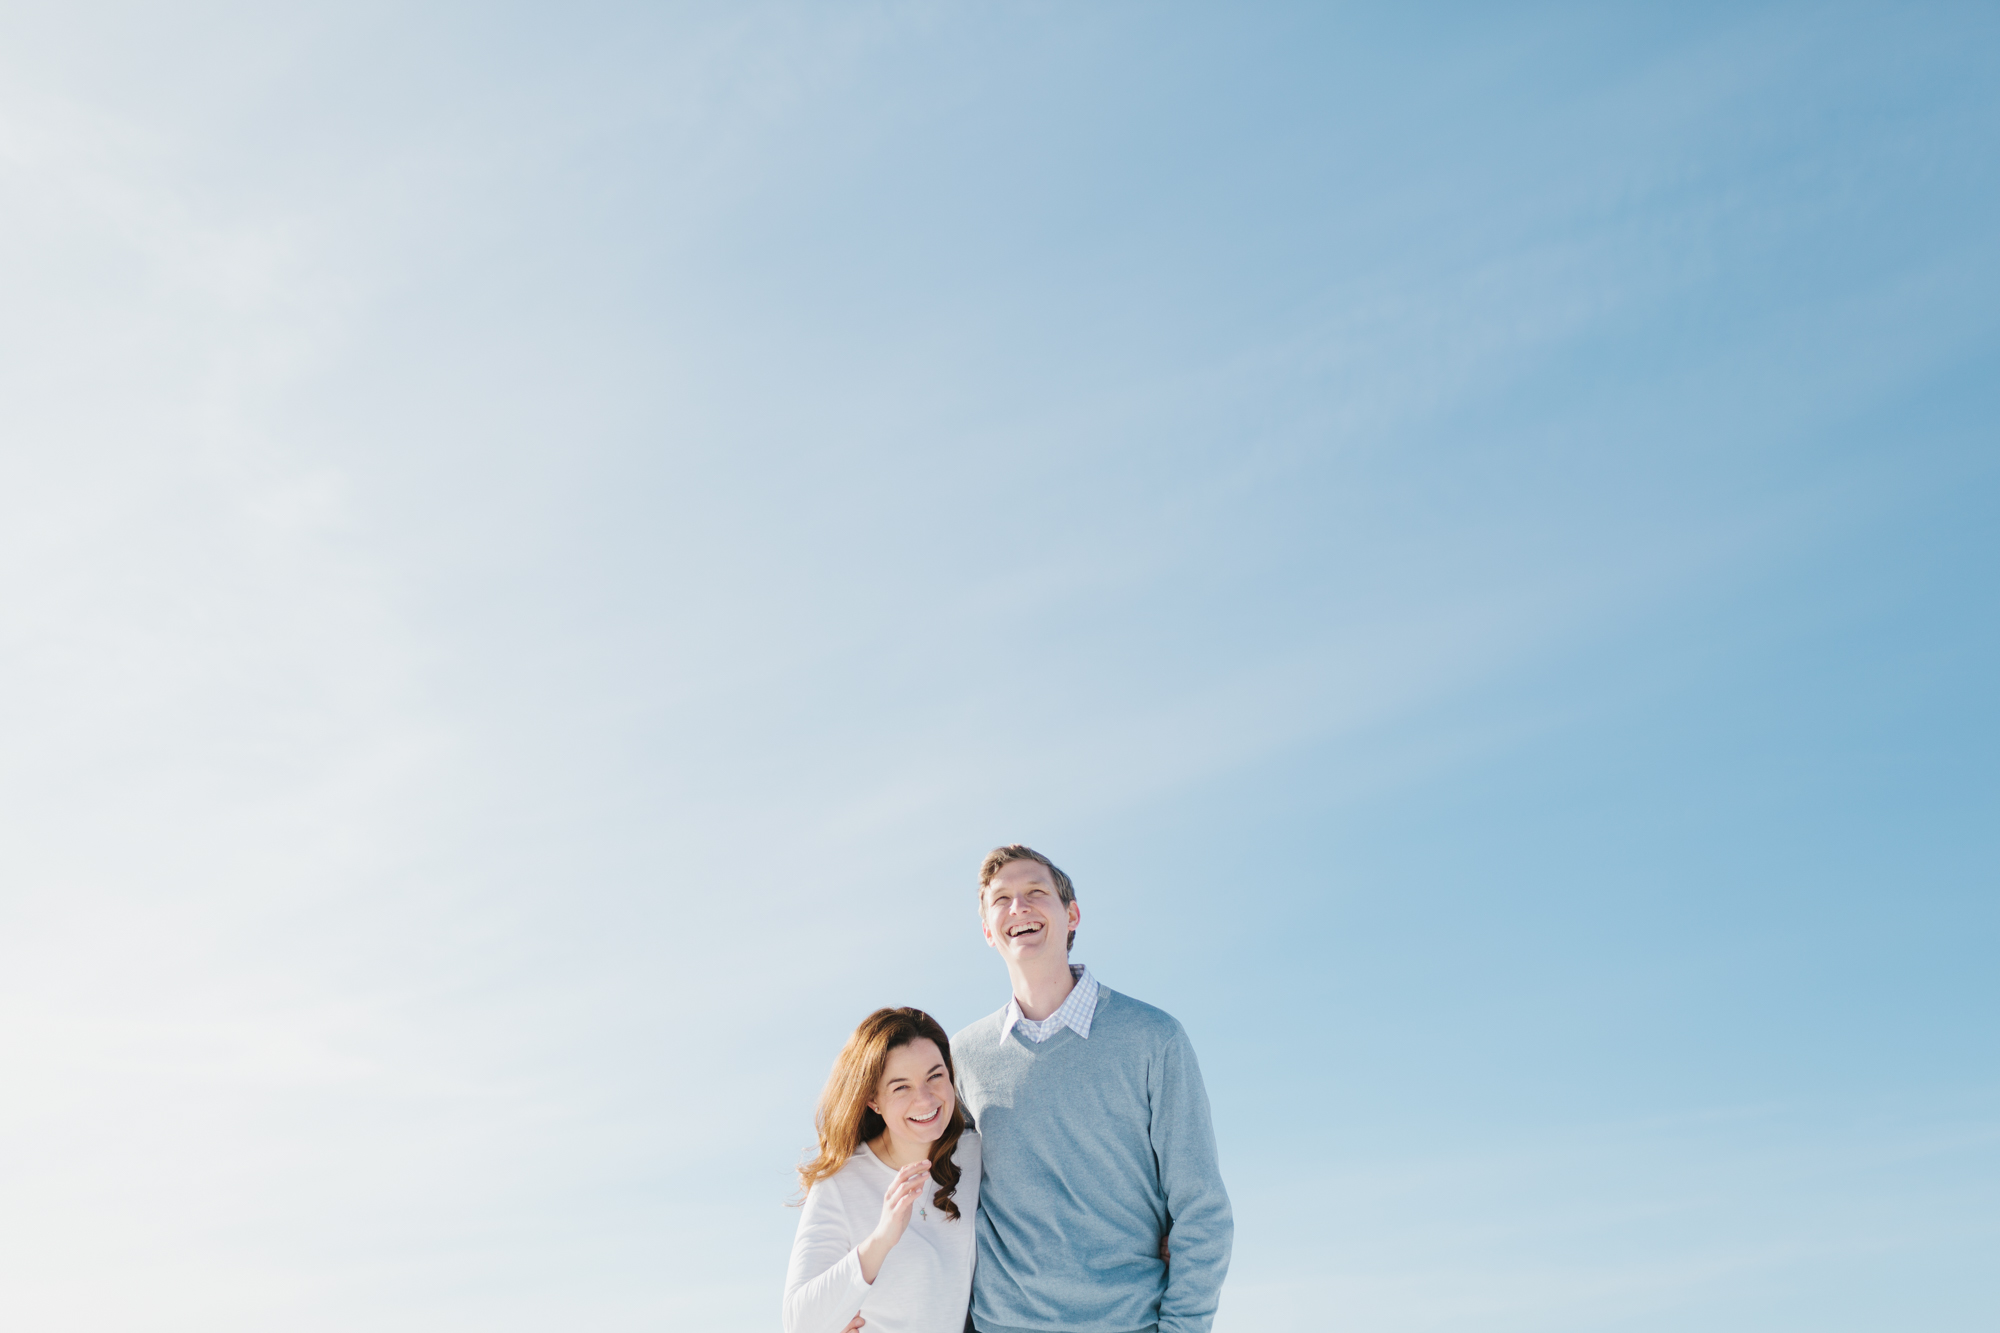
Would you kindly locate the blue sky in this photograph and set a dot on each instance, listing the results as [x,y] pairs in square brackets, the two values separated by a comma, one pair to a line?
[538,550]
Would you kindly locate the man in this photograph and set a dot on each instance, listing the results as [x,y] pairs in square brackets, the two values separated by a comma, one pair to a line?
[1099,1155]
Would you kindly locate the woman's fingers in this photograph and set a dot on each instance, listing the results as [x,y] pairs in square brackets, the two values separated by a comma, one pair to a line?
[909,1179]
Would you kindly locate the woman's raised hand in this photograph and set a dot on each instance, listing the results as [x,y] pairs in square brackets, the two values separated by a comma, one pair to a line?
[897,1201]
[900,1198]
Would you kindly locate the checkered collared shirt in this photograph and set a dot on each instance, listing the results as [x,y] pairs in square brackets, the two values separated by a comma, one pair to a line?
[1074,1013]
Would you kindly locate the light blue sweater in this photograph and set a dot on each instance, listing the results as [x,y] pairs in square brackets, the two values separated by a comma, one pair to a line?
[1094,1148]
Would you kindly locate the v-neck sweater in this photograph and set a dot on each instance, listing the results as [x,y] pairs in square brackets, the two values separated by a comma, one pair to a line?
[1093,1149]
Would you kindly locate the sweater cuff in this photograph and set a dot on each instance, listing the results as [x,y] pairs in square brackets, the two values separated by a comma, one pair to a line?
[846,1278]
[834,1298]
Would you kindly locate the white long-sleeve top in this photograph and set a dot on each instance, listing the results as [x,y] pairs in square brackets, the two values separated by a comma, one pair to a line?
[925,1284]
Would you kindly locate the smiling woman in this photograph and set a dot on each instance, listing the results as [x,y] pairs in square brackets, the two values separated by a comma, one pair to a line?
[870,1249]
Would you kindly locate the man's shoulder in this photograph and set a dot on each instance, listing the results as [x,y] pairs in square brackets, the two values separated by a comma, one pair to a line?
[980,1033]
[1121,1012]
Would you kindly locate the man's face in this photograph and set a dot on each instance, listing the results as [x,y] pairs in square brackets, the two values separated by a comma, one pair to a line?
[1021,915]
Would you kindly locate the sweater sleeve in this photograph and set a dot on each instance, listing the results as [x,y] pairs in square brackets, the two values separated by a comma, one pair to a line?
[824,1288]
[1200,1226]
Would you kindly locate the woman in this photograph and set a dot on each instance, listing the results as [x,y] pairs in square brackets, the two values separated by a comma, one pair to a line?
[886,1237]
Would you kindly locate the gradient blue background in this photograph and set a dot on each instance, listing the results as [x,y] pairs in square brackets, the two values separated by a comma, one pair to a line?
[540,545]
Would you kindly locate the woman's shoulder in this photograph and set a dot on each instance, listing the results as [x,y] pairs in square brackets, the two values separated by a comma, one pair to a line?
[967,1151]
[861,1164]
[852,1174]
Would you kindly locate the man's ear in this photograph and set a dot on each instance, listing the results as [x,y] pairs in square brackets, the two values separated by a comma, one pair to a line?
[1075,914]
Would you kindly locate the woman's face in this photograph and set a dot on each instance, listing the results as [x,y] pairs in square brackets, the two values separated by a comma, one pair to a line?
[915,1096]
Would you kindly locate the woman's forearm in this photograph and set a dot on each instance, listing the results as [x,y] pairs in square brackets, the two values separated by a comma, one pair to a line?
[872,1252]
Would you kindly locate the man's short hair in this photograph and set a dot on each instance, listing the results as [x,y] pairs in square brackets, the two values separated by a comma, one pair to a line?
[1015,851]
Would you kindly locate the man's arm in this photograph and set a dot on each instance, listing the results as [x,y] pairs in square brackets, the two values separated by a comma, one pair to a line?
[1202,1228]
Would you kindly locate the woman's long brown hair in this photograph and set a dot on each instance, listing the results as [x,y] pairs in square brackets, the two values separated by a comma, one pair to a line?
[844,1120]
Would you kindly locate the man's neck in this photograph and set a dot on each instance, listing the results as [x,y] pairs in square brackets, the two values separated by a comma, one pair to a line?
[1041,992]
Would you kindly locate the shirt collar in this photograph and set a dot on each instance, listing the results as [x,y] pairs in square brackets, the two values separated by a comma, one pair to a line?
[1074,1013]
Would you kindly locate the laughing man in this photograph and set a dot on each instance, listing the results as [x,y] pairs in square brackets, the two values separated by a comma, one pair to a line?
[1099,1156]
